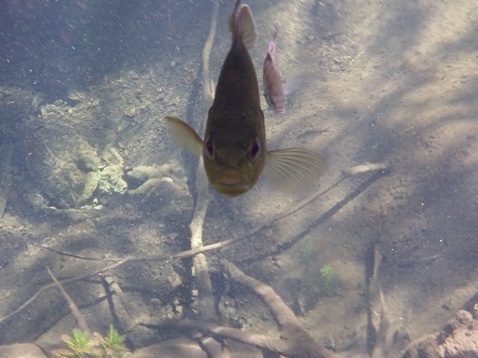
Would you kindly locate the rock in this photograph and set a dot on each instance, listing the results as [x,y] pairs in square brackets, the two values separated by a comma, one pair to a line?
[181,347]
[21,350]
[459,339]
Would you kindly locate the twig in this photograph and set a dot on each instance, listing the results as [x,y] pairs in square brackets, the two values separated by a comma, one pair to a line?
[119,262]
[63,253]
[294,340]
[80,319]
[202,249]
[50,285]
[208,85]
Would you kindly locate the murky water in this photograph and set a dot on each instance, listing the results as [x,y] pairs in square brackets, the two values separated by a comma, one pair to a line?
[93,187]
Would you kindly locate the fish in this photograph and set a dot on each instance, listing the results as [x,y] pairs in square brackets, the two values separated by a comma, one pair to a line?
[275,91]
[234,149]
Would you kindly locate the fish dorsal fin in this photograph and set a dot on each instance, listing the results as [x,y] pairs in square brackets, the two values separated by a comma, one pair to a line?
[293,169]
[242,24]
[232,17]
[184,135]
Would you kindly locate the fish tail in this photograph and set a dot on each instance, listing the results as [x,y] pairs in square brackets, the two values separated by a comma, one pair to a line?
[242,24]
[272,47]
[276,30]
[272,42]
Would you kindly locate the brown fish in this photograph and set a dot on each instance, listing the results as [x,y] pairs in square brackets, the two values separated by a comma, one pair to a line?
[275,92]
[234,147]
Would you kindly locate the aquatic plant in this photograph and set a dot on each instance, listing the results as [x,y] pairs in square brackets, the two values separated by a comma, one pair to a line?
[113,344]
[82,344]
[327,274]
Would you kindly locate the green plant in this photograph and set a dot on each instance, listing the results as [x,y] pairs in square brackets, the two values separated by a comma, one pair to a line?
[113,343]
[327,274]
[82,344]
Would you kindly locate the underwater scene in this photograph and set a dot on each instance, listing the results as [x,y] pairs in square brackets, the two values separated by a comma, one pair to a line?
[221,178]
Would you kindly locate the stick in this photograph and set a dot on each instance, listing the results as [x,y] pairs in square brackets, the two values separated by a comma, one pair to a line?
[80,319]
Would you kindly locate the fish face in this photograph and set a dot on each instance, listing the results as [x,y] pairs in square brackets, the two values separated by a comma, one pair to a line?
[233,169]
[234,147]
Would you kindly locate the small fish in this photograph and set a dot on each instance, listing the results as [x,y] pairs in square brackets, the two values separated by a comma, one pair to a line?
[275,92]
[234,147]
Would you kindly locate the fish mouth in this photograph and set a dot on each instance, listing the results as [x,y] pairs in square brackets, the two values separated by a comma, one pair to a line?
[231,185]
[279,110]
[229,180]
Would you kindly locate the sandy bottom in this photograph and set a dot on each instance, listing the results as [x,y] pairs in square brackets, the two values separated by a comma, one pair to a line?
[380,82]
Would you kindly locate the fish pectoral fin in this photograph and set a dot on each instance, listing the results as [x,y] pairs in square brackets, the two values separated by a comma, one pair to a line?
[293,169]
[184,135]
[291,85]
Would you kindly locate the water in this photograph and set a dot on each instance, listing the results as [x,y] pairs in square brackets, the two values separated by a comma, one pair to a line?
[95,185]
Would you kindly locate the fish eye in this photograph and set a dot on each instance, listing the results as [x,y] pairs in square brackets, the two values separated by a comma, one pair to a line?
[208,148]
[255,150]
